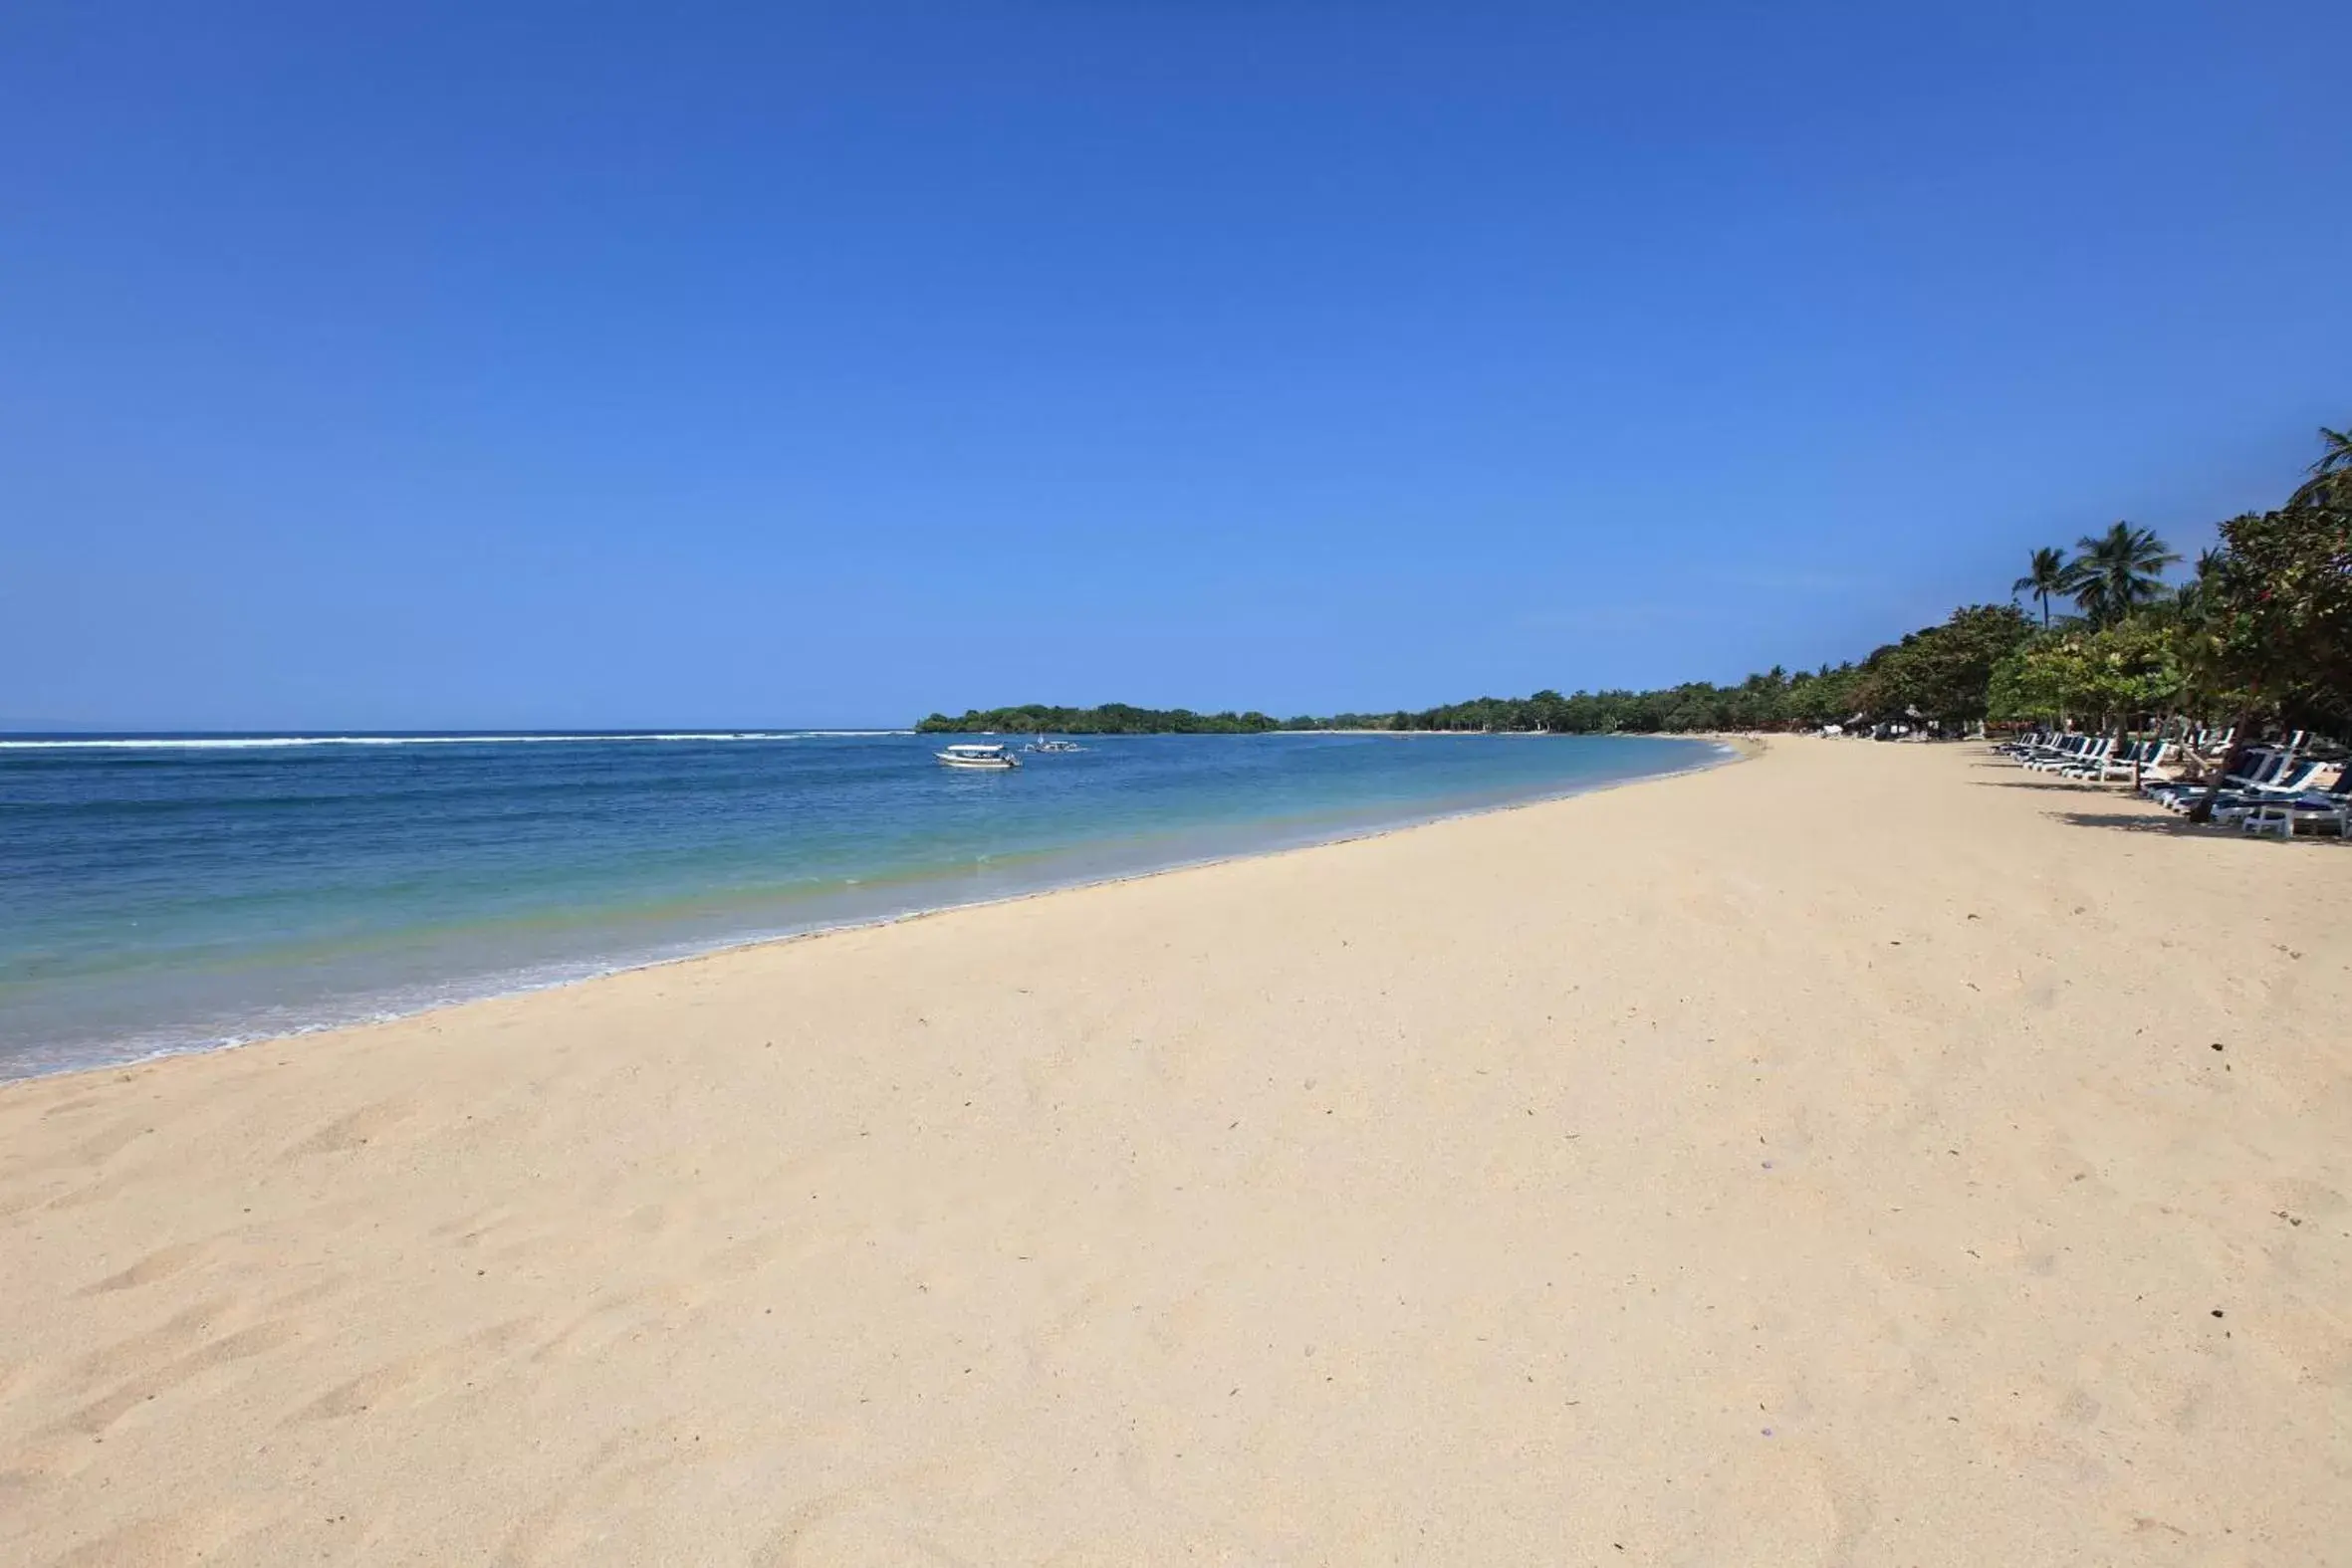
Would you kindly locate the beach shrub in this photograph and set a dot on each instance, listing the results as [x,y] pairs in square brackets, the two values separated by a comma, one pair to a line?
[1943,672]
[2113,676]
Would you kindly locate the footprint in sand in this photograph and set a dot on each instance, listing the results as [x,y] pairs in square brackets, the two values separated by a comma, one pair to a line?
[191,1535]
[162,1264]
[417,1380]
[242,1345]
[350,1131]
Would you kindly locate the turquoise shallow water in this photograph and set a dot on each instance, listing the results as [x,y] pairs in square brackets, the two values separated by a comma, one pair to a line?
[162,894]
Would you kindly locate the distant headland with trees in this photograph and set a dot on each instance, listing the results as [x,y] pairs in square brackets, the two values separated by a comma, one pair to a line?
[2260,629]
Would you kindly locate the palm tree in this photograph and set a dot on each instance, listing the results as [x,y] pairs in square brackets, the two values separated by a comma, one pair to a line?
[2331,476]
[2194,597]
[2117,570]
[2197,599]
[2048,577]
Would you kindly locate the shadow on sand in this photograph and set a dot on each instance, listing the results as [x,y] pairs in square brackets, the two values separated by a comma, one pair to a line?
[2160,824]
[2170,826]
[2019,779]
[2154,823]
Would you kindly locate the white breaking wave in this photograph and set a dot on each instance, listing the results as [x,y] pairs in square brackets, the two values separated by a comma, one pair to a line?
[232,742]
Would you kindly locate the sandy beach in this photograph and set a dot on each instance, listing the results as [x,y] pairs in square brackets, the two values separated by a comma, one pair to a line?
[1865,1154]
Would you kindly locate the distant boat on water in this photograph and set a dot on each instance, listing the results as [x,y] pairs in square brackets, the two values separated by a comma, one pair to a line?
[974,754]
[1040,743]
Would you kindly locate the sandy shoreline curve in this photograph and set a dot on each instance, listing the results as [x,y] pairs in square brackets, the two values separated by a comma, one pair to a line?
[1870,1153]
[1731,749]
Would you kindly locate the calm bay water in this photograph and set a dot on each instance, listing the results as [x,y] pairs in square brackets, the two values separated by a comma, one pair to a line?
[166,894]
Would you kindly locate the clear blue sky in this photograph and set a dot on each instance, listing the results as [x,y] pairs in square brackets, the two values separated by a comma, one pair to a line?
[479,364]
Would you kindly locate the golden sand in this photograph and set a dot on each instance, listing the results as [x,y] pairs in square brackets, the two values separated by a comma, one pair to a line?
[1868,1154]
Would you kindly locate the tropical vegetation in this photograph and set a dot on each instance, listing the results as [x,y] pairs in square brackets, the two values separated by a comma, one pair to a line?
[2117,572]
[1115,717]
[2260,632]
[2048,579]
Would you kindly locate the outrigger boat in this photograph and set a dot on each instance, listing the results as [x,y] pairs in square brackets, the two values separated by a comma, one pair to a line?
[978,755]
[1040,743]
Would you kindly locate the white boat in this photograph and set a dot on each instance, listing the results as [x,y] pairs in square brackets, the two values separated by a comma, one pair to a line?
[973,755]
[1040,743]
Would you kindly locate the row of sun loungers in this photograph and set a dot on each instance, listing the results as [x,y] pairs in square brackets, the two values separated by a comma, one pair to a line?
[2274,790]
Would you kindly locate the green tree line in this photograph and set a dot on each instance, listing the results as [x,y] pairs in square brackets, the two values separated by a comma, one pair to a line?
[1115,717]
[2262,629]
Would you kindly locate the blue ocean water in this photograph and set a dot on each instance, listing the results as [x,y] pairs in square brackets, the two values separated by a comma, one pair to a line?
[162,894]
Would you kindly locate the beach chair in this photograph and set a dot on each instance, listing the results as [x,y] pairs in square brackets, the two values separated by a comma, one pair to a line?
[2147,755]
[2157,775]
[2259,767]
[2289,781]
[2063,754]
[2048,744]
[2090,761]
[2285,815]
[2288,817]
[2091,750]
[2108,761]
